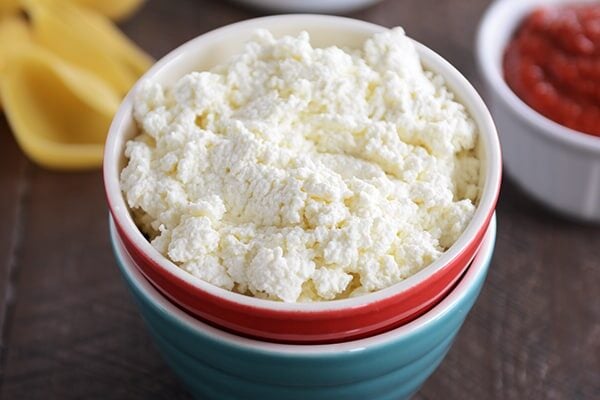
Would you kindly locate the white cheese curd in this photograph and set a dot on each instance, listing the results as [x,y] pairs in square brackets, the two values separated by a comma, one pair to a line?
[296,173]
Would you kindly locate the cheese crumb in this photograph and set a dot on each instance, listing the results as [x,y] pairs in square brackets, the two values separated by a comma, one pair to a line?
[296,173]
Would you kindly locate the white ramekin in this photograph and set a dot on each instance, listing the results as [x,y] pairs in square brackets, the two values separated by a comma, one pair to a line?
[558,166]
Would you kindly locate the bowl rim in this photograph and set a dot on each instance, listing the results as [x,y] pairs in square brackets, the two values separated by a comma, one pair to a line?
[308,5]
[460,86]
[491,70]
[477,271]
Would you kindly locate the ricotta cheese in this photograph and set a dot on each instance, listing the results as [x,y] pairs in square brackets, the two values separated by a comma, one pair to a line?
[296,173]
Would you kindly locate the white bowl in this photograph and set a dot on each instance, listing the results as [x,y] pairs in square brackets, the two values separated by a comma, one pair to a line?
[309,6]
[558,166]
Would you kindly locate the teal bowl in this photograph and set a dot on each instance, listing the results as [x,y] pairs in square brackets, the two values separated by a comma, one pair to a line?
[214,364]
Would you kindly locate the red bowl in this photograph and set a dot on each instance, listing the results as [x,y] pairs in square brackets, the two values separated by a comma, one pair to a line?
[299,326]
[326,321]
[266,320]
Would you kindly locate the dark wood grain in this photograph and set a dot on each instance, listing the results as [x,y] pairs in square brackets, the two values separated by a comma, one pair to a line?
[14,184]
[71,331]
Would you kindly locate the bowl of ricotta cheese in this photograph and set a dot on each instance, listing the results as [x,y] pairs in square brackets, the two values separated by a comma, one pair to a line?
[302,178]
[215,365]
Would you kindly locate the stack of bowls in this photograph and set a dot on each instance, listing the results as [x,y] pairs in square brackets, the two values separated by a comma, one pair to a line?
[215,364]
[227,345]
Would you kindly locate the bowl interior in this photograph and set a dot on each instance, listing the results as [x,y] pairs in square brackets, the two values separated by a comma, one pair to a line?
[216,46]
[496,29]
[471,281]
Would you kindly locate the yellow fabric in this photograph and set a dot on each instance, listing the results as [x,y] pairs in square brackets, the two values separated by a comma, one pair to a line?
[63,73]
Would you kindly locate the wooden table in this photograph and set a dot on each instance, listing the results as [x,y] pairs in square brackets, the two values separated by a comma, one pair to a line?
[70,330]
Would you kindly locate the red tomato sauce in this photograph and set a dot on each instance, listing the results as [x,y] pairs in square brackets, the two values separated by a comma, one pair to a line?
[553,64]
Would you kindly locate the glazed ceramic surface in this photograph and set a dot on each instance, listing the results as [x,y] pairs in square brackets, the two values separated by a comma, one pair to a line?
[315,322]
[558,166]
[215,364]
[309,6]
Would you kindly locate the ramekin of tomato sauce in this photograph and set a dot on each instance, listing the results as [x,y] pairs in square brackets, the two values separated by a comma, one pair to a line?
[539,61]
[553,64]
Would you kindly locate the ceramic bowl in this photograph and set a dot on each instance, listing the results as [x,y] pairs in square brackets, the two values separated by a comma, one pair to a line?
[290,322]
[556,165]
[309,6]
[214,364]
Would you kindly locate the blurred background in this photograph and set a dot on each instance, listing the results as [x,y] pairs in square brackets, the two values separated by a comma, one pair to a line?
[69,329]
